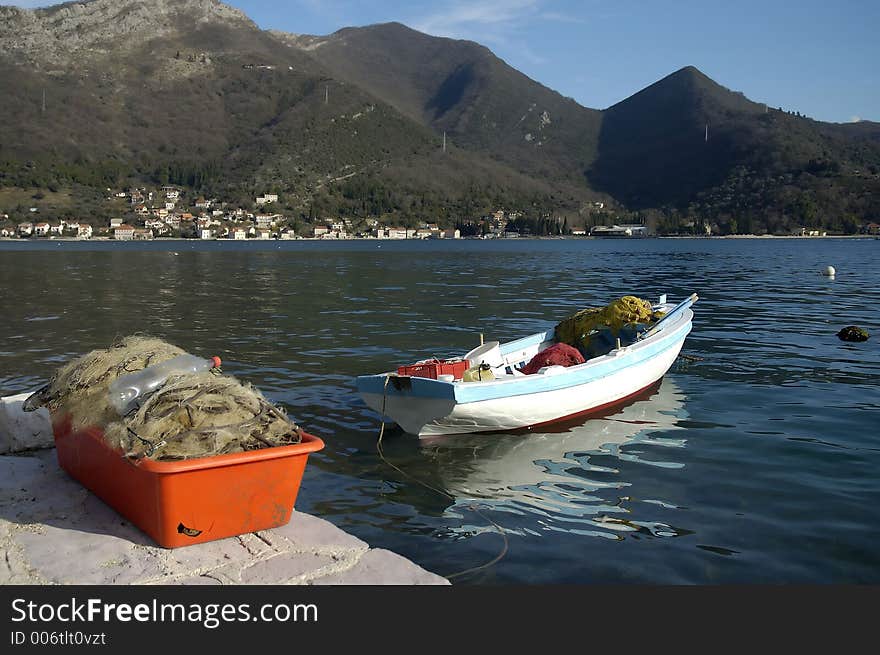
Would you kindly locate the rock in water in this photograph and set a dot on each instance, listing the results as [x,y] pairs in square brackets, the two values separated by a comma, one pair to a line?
[853,333]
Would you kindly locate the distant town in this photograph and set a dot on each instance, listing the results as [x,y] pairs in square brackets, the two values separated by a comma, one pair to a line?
[165,212]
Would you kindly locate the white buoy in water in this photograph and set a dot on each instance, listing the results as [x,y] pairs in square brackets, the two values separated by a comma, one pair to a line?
[829,271]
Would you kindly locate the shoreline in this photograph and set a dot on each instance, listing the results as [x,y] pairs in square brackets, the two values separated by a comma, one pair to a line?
[372,240]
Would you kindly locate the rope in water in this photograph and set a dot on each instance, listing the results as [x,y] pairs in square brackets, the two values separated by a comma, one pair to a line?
[443,493]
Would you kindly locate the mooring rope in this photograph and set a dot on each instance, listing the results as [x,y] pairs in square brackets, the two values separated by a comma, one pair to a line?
[443,493]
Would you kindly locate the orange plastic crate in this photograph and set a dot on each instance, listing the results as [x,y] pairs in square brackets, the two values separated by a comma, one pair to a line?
[190,501]
[434,368]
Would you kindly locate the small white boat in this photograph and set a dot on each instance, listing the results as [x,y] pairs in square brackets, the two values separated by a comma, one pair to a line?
[514,401]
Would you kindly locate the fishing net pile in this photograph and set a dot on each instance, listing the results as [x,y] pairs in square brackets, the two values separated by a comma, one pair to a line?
[595,330]
[80,388]
[190,416]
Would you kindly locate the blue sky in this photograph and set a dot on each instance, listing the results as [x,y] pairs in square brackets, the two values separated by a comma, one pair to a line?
[818,58]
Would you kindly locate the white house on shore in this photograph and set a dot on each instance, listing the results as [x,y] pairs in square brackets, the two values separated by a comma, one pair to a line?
[123,232]
[80,230]
[397,233]
[625,231]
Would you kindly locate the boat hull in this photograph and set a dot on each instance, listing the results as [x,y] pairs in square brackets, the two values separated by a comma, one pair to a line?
[428,407]
[438,416]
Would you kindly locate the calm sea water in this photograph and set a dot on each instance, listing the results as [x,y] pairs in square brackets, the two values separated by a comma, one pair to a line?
[755,460]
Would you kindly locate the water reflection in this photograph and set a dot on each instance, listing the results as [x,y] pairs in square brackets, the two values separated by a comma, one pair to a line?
[780,421]
[568,480]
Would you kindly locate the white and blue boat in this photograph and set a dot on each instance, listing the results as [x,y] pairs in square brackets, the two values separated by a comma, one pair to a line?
[512,400]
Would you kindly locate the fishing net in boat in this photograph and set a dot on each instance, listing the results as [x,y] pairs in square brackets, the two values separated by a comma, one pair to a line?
[190,416]
[596,329]
[559,354]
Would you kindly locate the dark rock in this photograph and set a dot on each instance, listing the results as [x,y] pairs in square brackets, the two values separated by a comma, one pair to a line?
[853,333]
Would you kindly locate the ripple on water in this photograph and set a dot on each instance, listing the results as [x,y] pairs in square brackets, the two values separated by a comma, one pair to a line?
[755,462]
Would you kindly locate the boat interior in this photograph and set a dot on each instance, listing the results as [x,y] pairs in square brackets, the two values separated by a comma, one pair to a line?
[505,360]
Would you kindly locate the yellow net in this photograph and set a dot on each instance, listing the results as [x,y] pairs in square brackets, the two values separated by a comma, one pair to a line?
[628,311]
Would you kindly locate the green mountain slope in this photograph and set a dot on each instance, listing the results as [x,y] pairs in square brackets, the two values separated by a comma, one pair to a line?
[102,94]
[685,143]
[654,147]
[461,88]
[213,102]
[687,138]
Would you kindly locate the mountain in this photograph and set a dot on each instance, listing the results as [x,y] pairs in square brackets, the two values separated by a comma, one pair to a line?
[686,136]
[89,29]
[104,93]
[685,143]
[107,93]
[461,88]
[655,145]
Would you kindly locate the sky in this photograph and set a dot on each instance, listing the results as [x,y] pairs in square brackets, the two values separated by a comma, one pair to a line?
[819,58]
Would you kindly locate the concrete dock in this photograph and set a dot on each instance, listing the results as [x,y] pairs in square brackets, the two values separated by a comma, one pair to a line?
[54,531]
